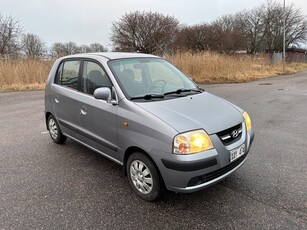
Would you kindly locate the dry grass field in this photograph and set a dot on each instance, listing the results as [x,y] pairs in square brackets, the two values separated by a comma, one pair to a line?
[215,68]
[19,75]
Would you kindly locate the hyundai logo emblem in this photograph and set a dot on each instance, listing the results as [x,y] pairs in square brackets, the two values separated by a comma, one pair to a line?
[234,133]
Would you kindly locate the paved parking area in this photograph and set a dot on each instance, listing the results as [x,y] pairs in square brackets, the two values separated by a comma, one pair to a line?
[48,186]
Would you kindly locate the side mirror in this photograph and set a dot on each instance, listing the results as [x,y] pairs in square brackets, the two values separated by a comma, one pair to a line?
[103,93]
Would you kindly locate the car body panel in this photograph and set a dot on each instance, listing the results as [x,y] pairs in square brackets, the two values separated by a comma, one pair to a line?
[97,124]
[65,109]
[144,130]
[181,114]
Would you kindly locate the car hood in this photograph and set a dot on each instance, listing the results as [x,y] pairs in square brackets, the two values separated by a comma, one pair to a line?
[200,111]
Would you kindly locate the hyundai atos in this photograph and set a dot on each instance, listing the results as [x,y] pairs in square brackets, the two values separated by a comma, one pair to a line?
[143,113]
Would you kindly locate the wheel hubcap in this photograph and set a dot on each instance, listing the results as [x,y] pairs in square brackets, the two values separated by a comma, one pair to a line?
[53,129]
[141,177]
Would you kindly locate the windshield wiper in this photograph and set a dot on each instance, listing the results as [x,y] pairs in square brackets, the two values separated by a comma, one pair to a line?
[148,96]
[179,91]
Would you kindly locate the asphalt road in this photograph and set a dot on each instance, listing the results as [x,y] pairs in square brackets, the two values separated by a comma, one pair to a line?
[49,186]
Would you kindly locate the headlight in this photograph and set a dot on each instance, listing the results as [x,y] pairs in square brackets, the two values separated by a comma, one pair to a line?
[192,142]
[247,120]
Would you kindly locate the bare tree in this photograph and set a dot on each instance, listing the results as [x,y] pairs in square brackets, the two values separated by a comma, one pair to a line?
[58,49]
[146,32]
[96,47]
[71,48]
[33,46]
[199,38]
[263,27]
[252,25]
[85,49]
[10,30]
[217,36]
[227,22]
[231,39]
[296,26]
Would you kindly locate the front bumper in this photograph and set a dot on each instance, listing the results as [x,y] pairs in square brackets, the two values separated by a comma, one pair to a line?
[194,172]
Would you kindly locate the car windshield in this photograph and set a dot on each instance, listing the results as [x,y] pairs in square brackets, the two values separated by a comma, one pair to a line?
[151,78]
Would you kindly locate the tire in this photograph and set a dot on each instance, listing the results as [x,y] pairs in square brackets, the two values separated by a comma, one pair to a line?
[55,131]
[144,177]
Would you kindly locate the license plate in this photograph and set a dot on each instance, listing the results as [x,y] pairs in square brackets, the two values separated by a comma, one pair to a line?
[236,153]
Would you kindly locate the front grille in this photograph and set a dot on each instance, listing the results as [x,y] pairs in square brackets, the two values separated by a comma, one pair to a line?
[217,173]
[231,135]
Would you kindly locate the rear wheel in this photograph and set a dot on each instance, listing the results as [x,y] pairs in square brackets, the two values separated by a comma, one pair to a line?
[55,131]
[144,177]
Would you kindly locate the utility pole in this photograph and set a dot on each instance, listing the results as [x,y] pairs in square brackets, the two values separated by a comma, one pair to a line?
[284,37]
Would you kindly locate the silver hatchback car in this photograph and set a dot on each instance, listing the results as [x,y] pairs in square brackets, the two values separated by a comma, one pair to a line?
[144,114]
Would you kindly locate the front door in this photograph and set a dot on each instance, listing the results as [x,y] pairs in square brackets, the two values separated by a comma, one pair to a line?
[97,118]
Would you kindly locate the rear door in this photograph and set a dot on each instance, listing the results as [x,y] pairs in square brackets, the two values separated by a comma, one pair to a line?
[97,127]
[64,93]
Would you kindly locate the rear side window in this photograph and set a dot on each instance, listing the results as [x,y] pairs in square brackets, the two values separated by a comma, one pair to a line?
[67,74]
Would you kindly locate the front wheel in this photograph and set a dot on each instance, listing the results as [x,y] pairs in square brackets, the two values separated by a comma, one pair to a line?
[55,131]
[144,177]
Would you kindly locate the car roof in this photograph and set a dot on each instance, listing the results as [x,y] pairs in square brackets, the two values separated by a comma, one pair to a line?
[112,55]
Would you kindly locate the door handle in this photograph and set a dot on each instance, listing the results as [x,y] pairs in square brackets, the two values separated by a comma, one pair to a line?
[83,110]
[56,99]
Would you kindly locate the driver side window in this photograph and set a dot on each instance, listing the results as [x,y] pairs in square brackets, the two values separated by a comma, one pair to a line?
[93,77]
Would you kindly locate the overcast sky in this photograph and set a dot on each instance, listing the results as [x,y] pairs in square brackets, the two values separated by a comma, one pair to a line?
[89,21]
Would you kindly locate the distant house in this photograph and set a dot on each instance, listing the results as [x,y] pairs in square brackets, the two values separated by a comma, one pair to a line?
[296,55]
[292,55]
